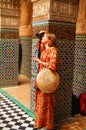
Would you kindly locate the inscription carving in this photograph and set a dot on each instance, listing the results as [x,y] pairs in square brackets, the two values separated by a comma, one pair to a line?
[10,4]
[55,10]
[7,21]
[10,12]
[64,9]
[41,8]
[10,17]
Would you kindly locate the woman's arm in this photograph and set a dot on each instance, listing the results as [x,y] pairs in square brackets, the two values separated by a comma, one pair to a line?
[40,62]
[53,58]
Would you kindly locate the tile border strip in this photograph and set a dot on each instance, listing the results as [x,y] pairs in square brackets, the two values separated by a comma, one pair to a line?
[17,103]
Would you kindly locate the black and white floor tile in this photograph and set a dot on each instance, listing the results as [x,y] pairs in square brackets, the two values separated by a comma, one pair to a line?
[12,117]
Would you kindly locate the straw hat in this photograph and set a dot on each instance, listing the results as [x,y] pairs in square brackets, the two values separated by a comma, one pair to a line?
[47,80]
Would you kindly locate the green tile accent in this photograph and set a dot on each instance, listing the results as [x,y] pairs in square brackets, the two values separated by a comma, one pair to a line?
[17,103]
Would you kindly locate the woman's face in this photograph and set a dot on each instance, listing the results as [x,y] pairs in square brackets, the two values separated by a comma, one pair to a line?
[45,39]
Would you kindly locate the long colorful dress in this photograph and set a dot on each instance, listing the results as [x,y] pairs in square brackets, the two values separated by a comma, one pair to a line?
[45,102]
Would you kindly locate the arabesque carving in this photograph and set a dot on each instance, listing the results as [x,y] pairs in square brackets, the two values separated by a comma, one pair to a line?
[55,10]
[64,10]
[10,4]
[9,22]
[41,8]
[10,13]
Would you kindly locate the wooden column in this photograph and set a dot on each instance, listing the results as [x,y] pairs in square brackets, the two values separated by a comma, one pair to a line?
[25,34]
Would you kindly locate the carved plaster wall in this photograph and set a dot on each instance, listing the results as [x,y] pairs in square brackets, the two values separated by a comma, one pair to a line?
[63,10]
[10,13]
[55,10]
[41,10]
[81,22]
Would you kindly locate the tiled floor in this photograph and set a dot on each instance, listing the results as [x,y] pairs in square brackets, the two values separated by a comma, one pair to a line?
[74,123]
[12,114]
[22,94]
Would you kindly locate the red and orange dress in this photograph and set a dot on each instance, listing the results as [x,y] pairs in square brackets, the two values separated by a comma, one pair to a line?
[45,102]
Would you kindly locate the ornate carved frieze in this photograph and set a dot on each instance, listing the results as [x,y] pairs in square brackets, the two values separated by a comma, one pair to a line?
[10,4]
[55,10]
[10,12]
[64,10]
[9,22]
[10,17]
[41,9]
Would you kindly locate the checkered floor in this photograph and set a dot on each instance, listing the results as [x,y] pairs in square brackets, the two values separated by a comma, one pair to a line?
[12,117]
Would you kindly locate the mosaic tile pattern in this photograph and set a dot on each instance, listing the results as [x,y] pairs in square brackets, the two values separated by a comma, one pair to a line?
[9,74]
[79,83]
[65,69]
[9,62]
[33,74]
[9,50]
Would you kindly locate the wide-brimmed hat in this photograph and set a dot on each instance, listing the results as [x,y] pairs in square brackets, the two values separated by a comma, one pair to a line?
[47,80]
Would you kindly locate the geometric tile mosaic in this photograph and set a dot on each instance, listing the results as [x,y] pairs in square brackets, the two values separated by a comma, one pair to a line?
[33,74]
[9,74]
[9,52]
[65,69]
[8,62]
[79,83]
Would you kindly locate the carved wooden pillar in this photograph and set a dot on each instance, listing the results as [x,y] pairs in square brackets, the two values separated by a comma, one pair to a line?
[81,21]
[25,19]
[25,34]
[80,52]
[58,17]
[9,34]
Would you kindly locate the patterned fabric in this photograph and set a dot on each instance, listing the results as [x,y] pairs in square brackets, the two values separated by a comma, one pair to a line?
[45,102]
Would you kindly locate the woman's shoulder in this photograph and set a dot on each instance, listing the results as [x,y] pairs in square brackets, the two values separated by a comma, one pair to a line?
[53,48]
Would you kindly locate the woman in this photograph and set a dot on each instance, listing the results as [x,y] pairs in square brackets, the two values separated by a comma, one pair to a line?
[45,102]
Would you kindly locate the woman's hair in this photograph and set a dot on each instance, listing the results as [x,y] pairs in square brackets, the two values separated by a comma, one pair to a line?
[52,38]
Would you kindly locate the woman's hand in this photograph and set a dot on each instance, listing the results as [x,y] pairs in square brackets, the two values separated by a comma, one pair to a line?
[40,62]
[37,60]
